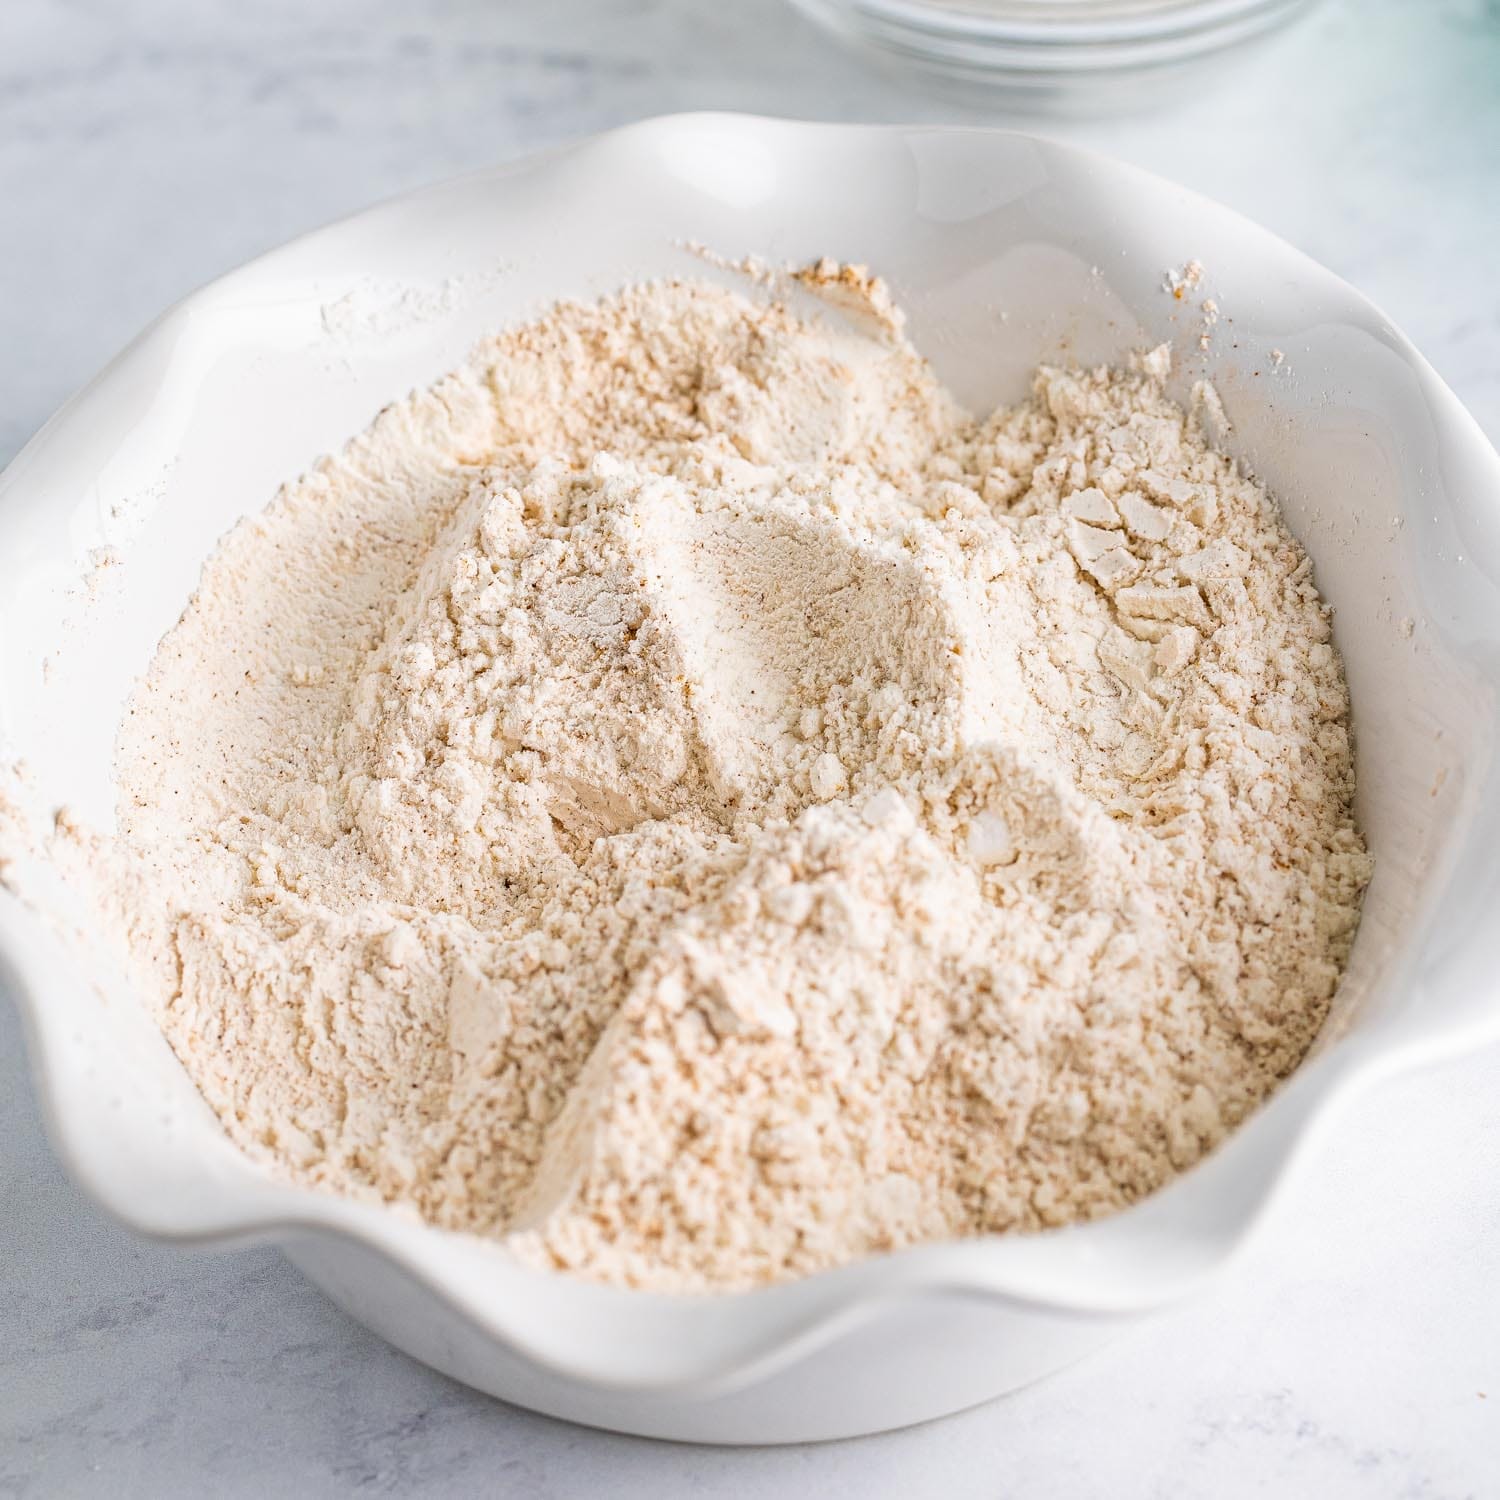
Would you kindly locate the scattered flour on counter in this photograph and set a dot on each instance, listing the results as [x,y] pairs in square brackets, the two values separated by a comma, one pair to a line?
[684,799]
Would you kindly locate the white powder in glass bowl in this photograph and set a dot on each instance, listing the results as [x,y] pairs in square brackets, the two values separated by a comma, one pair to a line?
[683,798]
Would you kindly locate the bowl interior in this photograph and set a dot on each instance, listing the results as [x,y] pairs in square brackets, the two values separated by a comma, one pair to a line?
[1005,252]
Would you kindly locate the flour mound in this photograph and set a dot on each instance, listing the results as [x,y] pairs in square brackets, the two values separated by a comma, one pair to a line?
[684,799]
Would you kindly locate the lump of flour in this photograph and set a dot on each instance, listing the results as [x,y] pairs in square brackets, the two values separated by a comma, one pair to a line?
[682,798]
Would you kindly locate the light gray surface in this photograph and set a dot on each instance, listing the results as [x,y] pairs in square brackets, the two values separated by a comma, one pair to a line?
[146,147]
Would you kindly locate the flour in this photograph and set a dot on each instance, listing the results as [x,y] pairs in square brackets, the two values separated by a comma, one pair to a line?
[682,798]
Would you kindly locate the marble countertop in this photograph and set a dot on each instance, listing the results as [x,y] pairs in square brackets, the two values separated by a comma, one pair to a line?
[145,148]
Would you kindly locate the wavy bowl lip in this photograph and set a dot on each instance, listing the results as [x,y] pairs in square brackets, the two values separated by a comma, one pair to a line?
[1141,1258]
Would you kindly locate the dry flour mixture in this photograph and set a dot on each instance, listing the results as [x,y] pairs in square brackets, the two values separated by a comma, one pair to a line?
[684,799]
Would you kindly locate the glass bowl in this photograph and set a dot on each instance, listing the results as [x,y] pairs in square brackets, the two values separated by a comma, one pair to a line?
[1056,56]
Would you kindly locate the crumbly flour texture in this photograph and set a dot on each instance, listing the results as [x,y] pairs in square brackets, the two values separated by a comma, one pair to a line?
[682,798]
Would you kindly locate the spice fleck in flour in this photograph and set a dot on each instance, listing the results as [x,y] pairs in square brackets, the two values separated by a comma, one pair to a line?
[684,799]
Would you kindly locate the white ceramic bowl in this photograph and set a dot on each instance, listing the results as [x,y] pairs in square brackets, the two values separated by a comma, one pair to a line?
[1005,251]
